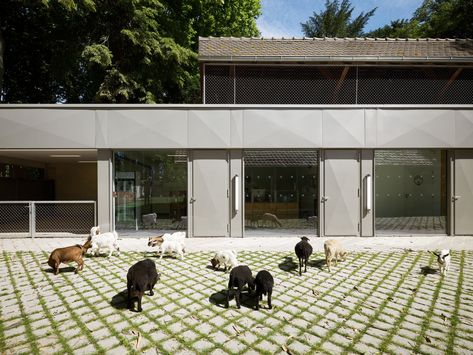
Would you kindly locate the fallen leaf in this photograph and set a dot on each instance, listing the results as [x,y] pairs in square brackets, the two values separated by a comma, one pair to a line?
[413,290]
[316,293]
[236,329]
[284,347]
[444,317]
[356,288]
[138,338]
[427,339]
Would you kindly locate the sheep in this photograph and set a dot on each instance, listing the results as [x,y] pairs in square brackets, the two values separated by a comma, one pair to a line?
[69,254]
[225,258]
[239,277]
[264,285]
[303,251]
[141,277]
[107,241]
[333,250]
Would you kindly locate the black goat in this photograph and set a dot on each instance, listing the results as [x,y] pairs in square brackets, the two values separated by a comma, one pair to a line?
[141,277]
[303,251]
[239,277]
[264,286]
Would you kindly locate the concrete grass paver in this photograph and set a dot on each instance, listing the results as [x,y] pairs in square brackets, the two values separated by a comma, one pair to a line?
[373,302]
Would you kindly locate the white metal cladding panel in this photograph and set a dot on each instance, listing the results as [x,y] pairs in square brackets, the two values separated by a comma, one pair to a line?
[464,129]
[146,129]
[236,129]
[209,129]
[282,128]
[415,129]
[463,192]
[343,129]
[371,128]
[46,128]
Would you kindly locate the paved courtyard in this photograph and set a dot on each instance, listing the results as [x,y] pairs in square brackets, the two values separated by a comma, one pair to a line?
[393,302]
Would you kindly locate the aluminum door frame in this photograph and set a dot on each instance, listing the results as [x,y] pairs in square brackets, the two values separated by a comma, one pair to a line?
[337,178]
[462,197]
[209,197]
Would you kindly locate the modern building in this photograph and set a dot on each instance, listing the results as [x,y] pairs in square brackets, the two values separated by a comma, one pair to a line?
[330,137]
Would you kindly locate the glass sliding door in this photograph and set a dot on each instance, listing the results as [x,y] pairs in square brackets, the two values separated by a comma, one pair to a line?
[411,191]
[281,192]
[151,190]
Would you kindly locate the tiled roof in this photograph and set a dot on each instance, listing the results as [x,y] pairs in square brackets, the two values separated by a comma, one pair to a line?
[330,49]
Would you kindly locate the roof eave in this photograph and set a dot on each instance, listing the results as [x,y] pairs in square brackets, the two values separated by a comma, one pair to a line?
[312,59]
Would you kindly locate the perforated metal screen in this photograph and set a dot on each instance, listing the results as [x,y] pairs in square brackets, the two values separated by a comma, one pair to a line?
[303,84]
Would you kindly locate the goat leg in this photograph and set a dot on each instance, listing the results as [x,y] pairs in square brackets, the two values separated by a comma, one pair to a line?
[228,298]
[237,297]
[305,265]
[258,298]
[139,304]
[300,266]
[269,299]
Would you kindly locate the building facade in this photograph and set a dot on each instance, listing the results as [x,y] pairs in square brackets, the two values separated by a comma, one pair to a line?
[330,137]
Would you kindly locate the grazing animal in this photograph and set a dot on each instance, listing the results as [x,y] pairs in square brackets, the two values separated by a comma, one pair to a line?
[303,251]
[141,277]
[333,250]
[272,219]
[69,254]
[239,277]
[225,258]
[264,286]
[108,241]
[443,259]
[169,245]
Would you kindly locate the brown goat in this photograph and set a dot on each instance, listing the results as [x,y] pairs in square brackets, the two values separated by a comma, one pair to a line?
[69,254]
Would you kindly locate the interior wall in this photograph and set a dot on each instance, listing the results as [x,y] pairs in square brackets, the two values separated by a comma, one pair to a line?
[74,181]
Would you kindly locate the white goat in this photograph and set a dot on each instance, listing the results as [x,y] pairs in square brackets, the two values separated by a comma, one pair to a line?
[225,258]
[107,241]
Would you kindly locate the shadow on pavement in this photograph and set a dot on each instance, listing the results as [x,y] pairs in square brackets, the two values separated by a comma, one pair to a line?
[119,300]
[427,270]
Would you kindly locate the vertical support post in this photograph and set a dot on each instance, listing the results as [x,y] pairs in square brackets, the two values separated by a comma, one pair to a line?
[367,179]
[237,215]
[33,219]
[105,218]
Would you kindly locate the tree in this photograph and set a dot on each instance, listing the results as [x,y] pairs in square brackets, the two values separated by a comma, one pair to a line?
[398,29]
[134,51]
[335,21]
[434,18]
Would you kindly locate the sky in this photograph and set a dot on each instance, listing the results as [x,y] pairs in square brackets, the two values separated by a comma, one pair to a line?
[282,18]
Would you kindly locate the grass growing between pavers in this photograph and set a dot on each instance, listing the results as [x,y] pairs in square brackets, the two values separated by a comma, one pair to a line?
[368,303]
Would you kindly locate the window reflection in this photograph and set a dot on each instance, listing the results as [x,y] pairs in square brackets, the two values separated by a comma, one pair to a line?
[151,190]
[281,190]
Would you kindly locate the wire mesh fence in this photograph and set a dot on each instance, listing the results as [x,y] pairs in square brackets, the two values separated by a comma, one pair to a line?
[306,84]
[46,218]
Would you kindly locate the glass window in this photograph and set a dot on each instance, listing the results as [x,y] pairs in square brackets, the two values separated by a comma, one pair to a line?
[281,191]
[411,191]
[151,190]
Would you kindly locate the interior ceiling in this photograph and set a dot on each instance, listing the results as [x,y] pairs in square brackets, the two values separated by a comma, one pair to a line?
[44,155]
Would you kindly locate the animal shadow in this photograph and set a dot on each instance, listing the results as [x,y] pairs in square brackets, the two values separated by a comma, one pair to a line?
[219,298]
[288,264]
[119,300]
[317,263]
[210,267]
[246,299]
[62,269]
[427,270]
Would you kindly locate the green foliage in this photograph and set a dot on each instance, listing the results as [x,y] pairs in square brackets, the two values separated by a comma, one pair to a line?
[335,21]
[434,18]
[134,51]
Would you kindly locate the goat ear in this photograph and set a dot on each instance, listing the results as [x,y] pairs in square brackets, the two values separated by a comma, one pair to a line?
[443,257]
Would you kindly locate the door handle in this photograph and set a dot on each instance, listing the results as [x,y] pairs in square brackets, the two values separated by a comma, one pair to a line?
[192,200]
[324,198]
[454,198]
